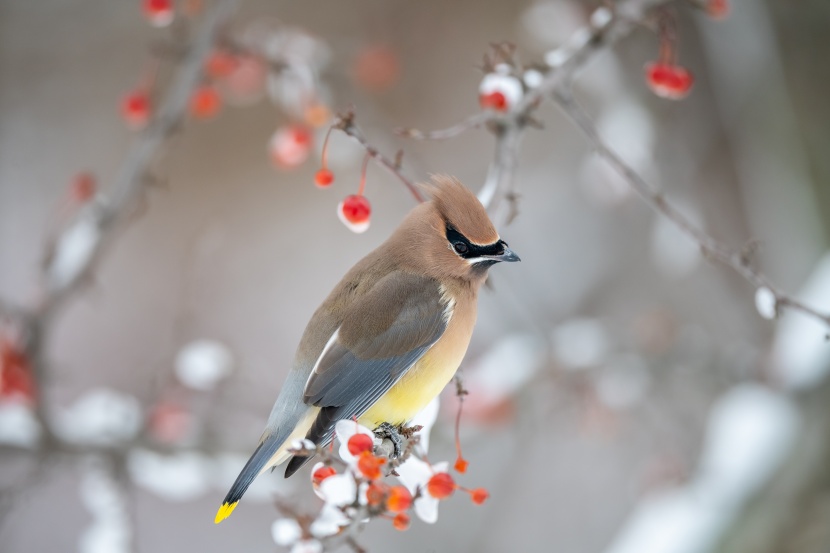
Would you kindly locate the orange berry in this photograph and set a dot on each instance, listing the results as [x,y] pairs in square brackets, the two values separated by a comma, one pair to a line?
[359,443]
[399,499]
[479,495]
[441,485]
[369,465]
[205,102]
[324,178]
[401,521]
[461,464]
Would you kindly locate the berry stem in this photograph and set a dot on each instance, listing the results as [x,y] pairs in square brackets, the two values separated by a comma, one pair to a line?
[363,171]
[460,463]
[325,149]
[668,38]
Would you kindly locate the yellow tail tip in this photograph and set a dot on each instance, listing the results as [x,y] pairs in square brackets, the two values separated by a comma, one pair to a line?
[224,511]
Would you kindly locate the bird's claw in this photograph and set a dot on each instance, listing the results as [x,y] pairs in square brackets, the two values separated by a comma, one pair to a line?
[386,430]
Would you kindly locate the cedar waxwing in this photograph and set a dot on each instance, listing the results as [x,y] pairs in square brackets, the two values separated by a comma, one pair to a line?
[390,335]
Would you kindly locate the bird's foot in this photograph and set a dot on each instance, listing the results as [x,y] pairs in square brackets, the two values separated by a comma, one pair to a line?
[386,430]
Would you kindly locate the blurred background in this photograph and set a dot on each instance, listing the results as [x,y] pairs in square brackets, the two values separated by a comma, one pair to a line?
[625,393]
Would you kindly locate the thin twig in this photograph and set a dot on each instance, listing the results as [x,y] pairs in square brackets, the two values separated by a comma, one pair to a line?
[709,246]
[472,122]
[345,122]
[35,323]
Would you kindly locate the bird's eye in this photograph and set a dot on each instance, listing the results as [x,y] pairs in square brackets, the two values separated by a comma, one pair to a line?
[460,247]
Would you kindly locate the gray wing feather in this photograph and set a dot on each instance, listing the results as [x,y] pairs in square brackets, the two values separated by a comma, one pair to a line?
[353,373]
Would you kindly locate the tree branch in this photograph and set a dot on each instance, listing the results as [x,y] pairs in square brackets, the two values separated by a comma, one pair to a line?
[709,246]
[345,122]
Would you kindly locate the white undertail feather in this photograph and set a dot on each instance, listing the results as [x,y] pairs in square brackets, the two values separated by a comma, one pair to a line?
[300,431]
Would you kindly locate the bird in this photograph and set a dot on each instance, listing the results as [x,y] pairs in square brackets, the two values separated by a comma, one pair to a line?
[391,334]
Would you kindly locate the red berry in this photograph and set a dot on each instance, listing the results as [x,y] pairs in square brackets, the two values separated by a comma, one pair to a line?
[399,499]
[377,68]
[324,178]
[290,145]
[321,474]
[401,521]
[479,495]
[354,211]
[159,12]
[245,83]
[461,465]
[135,109]
[441,485]
[369,465]
[169,422]
[15,373]
[668,81]
[495,100]
[220,64]
[205,102]
[359,443]
[717,9]
[82,188]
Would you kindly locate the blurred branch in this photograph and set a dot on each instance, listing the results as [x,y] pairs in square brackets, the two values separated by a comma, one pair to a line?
[135,171]
[95,225]
[472,122]
[709,246]
[345,122]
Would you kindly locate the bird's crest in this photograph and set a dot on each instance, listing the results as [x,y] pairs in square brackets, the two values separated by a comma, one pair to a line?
[460,208]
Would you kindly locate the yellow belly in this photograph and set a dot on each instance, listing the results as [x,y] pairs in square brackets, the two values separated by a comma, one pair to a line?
[422,382]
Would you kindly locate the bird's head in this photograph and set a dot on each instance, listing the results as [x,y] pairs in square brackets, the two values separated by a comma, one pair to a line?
[454,233]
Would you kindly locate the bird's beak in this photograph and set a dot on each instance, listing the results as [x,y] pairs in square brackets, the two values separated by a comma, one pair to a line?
[506,255]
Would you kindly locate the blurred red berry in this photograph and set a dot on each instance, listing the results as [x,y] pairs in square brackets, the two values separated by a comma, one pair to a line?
[399,499]
[169,422]
[354,211]
[290,145]
[245,83]
[494,100]
[82,188]
[205,102]
[377,68]
[668,81]
[135,109]
[219,64]
[321,474]
[461,465]
[499,91]
[158,12]
[717,9]
[359,443]
[15,373]
[369,465]
[401,521]
[479,495]
[441,485]
[324,178]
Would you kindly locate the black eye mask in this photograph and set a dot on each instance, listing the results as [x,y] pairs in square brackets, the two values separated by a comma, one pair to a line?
[467,250]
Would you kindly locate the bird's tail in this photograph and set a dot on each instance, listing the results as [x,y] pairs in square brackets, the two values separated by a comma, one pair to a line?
[271,451]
